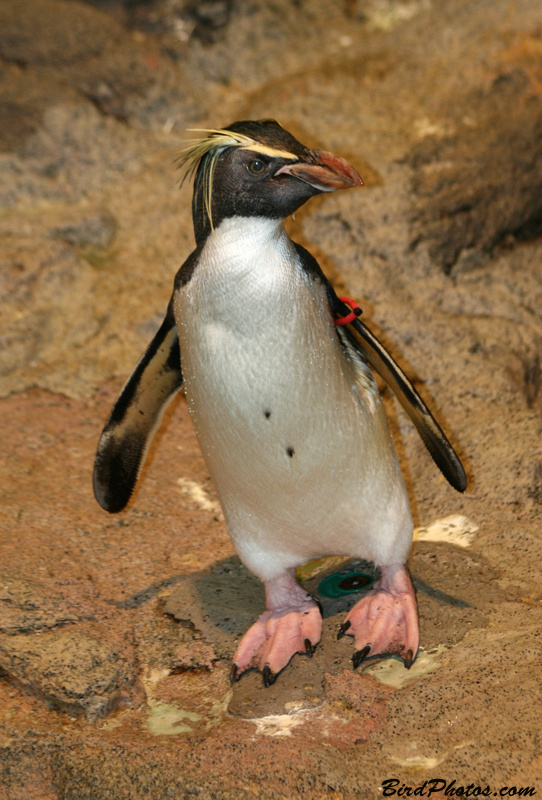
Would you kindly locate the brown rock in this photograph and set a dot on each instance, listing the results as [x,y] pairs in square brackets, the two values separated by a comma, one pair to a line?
[482,184]
[75,669]
[28,607]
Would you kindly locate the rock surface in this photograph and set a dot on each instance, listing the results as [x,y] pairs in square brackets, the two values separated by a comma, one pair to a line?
[116,632]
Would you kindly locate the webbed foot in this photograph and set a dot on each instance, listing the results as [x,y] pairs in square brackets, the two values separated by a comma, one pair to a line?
[385,621]
[292,624]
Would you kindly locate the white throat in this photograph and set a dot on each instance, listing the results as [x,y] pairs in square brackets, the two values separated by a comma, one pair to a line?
[245,240]
[245,260]
[258,230]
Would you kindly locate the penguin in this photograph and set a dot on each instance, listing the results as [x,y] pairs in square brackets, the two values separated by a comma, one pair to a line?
[277,375]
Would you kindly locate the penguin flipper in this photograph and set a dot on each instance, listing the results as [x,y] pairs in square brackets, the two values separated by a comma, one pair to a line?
[357,337]
[432,435]
[136,416]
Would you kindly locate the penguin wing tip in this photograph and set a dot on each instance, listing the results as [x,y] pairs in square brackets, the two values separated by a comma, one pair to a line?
[461,483]
[108,498]
[113,486]
[452,469]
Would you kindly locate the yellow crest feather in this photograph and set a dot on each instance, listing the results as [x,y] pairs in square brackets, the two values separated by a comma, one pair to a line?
[214,143]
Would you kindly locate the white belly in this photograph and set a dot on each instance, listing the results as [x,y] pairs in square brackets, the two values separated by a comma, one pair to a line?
[303,463]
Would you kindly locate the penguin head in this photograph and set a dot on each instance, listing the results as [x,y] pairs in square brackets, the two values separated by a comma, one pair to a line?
[258,169]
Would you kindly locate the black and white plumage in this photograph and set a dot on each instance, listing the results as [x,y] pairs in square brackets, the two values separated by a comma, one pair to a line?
[285,408]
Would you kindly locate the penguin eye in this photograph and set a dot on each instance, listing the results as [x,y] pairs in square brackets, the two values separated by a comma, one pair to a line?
[257,166]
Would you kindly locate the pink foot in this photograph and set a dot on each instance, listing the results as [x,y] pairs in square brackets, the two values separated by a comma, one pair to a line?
[292,624]
[385,621]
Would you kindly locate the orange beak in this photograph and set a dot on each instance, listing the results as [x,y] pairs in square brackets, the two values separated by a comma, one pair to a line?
[325,171]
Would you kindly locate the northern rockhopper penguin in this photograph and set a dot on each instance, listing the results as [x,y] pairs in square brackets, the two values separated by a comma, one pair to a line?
[285,407]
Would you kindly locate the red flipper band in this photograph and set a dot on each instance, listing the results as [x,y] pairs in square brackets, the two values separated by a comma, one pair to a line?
[356,311]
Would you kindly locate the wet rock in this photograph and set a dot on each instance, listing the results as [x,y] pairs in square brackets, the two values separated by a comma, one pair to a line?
[219,605]
[164,644]
[355,691]
[104,773]
[76,669]
[52,645]
[456,590]
[27,606]
[25,775]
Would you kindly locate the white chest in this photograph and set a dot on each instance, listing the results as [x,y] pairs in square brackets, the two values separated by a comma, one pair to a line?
[250,319]
[289,445]
[248,270]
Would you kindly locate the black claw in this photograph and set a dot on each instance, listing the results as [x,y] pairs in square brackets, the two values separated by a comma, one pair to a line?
[344,627]
[408,659]
[360,655]
[309,649]
[269,677]
[233,673]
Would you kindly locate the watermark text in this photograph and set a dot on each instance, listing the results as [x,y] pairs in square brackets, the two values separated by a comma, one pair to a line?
[392,787]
